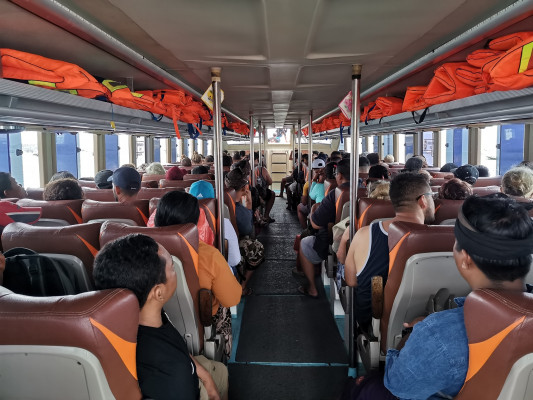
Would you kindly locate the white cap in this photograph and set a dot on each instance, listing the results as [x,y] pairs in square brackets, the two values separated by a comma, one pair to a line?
[318,163]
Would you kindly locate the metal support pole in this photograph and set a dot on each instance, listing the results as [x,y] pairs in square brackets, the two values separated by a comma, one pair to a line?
[252,134]
[217,133]
[354,180]
[309,178]
[299,146]
[260,134]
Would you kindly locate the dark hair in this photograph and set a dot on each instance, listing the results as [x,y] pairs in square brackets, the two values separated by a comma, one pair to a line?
[242,153]
[61,175]
[243,166]
[335,154]
[186,162]
[236,156]
[343,168]
[330,170]
[455,189]
[226,161]
[210,158]
[176,208]
[305,156]
[373,158]
[483,171]
[528,164]
[413,164]
[499,215]
[130,262]
[448,167]
[63,189]
[129,192]
[200,169]
[5,183]
[378,172]
[405,188]
[363,161]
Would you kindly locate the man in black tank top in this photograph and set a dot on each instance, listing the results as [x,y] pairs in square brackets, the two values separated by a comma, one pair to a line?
[368,254]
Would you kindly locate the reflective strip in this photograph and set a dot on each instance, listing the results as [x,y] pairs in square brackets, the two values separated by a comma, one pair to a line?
[91,248]
[362,217]
[125,350]
[394,252]
[107,84]
[76,216]
[192,251]
[526,57]
[142,216]
[42,83]
[136,94]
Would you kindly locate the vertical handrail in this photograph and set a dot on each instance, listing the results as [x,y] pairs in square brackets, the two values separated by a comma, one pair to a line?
[219,170]
[252,134]
[299,146]
[354,183]
[309,178]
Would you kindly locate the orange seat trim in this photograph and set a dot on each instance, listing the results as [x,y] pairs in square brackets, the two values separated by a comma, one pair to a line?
[394,252]
[192,251]
[91,248]
[75,215]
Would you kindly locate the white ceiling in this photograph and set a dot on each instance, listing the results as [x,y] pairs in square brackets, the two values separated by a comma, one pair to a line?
[280,59]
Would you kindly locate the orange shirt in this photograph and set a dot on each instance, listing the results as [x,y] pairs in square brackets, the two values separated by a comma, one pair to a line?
[215,274]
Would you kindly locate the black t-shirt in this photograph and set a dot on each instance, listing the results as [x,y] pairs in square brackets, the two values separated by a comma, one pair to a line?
[164,366]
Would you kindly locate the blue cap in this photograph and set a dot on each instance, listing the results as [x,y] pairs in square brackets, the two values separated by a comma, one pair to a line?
[126,178]
[202,190]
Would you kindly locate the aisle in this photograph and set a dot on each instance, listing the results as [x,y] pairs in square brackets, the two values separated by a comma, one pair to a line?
[287,346]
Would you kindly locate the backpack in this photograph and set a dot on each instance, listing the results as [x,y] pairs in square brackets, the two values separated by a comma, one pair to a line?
[33,274]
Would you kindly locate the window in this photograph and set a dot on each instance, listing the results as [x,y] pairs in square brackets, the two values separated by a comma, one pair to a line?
[111,152]
[388,144]
[376,144]
[85,151]
[511,146]
[409,146]
[489,148]
[66,152]
[427,147]
[163,147]
[460,146]
[140,156]
[173,148]
[124,149]
[30,159]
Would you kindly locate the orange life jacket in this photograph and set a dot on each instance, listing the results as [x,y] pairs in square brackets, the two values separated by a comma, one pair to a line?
[478,58]
[50,74]
[122,96]
[445,86]
[389,105]
[414,98]
[364,115]
[507,42]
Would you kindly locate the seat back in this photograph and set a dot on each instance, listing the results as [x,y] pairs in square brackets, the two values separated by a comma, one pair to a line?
[99,194]
[369,210]
[210,208]
[77,240]
[485,190]
[66,210]
[499,325]
[149,184]
[181,241]
[136,211]
[446,209]
[150,193]
[342,196]
[437,181]
[69,347]
[85,183]
[229,200]
[488,181]
[152,177]
[405,240]
[35,193]
[329,185]
[167,183]
[424,275]
[198,177]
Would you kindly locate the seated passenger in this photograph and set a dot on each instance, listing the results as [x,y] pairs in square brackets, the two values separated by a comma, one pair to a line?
[196,158]
[209,159]
[518,183]
[10,188]
[263,181]
[165,368]
[101,179]
[467,173]
[368,254]
[200,169]
[379,190]
[389,159]
[214,273]
[455,189]
[175,174]
[61,175]
[154,168]
[186,161]
[314,248]
[319,176]
[483,171]
[413,164]
[373,158]
[377,172]
[63,189]
[448,167]
[126,184]
[238,180]
[493,247]
[204,190]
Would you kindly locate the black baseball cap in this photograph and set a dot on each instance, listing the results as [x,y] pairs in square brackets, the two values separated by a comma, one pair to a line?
[126,178]
[102,179]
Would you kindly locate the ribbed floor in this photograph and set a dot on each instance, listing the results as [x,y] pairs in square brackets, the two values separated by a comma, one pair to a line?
[288,346]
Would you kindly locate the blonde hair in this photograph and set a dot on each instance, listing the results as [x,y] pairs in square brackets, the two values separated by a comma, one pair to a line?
[155,168]
[518,182]
[389,158]
[196,158]
[379,190]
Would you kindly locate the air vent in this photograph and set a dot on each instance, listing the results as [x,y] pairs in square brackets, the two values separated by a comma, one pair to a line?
[11,128]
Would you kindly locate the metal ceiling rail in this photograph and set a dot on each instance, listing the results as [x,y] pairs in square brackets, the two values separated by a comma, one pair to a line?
[510,13]
[58,14]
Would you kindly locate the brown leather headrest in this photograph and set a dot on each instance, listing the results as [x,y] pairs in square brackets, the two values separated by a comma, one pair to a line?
[149,184]
[104,323]
[136,210]
[84,183]
[210,208]
[179,240]
[342,196]
[229,200]
[98,194]
[485,190]
[446,209]
[167,183]
[370,209]
[153,177]
[79,240]
[437,181]
[488,181]
[68,210]
[197,177]
[499,325]
[149,193]
[35,193]
[407,239]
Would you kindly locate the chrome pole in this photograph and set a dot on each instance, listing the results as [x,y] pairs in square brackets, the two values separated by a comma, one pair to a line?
[354,180]
[299,145]
[252,134]
[219,174]
[310,155]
